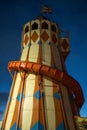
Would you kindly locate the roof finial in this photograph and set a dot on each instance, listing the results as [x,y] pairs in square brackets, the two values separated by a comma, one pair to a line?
[46,9]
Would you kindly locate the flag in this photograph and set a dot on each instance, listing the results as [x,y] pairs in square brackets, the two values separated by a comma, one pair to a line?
[46,9]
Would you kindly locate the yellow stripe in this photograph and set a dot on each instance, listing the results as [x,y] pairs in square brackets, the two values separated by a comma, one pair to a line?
[46,54]
[33,54]
[24,53]
[49,104]
[28,103]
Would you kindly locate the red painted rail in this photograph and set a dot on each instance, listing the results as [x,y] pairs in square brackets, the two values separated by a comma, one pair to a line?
[55,74]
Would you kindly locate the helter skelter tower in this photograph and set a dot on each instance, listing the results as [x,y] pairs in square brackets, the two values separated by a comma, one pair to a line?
[43,96]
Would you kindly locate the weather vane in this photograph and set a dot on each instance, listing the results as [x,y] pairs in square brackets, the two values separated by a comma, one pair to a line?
[46,9]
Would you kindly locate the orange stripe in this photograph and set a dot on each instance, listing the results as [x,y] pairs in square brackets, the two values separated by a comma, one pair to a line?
[22,105]
[21,113]
[23,81]
[16,109]
[38,113]
[63,110]
[58,112]
[42,107]
[52,64]
[15,115]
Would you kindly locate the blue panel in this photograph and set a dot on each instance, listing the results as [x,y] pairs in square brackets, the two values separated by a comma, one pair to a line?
[49,43]
[61,127]
[38,95]
[37,126]
[85,126]
[56,95]
[19,128]
[39,42]
[14,127]
[19,95]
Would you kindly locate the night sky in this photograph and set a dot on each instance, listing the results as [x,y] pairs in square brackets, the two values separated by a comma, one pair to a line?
[70,15]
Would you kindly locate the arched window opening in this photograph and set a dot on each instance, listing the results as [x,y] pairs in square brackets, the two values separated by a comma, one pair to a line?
[34,26]
[53,28]
[44,25]
[26,29]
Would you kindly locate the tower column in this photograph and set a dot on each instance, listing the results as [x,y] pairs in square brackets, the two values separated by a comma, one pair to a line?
[39,97]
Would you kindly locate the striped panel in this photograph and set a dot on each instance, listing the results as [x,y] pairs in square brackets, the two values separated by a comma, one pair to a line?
[24,53]
[48,88]
[56,57]
[46,54]
[58,109]
[68,113]
[55,62]
[26,39]
[49,104]
[21,98]
[15,119]
[33,54]
[54,38]
[13,102]
[44,36]
[35,104]
[16,87]
[15,114]
[26,35]
[35,117]
[38,115]
[34,49]
[17,109]
[28,102]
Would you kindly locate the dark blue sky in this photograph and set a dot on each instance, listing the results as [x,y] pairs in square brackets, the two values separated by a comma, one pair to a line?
[71,15]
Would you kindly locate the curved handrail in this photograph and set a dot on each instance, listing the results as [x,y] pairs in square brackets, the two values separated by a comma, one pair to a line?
[53,73]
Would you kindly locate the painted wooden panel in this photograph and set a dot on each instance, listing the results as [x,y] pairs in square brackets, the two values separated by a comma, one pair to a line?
[8,123]
[27,118]
[34,48]
[33,54]
[67,107]
[24,53]
[13,101]
[16,86]
[30,84]
[56,55]
[51,121]
[49,105]
[28,102]
[46,54]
